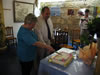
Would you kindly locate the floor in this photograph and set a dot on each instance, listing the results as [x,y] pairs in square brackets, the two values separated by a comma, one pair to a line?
[9,64]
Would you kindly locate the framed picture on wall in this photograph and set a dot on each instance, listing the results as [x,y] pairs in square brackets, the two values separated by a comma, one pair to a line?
[21,9]
[70,11]
[55,11]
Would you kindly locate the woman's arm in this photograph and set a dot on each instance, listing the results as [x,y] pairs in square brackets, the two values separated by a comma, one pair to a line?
[42,45]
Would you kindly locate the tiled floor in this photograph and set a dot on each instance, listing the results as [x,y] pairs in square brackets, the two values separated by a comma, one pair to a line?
[9,64]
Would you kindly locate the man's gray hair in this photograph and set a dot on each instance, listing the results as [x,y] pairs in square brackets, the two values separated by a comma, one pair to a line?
[30,18]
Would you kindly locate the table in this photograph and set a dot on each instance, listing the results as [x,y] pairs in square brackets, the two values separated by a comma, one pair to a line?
[77,66]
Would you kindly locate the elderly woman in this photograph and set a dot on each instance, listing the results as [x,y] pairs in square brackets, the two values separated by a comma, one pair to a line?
[28,43]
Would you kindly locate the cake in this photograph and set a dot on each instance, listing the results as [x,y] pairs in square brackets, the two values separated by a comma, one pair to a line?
[63,58]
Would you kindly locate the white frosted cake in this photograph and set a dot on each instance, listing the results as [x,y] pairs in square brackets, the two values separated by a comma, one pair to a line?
[62,58]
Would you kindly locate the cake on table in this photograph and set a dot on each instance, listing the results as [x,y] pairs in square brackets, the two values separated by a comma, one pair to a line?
[62,58]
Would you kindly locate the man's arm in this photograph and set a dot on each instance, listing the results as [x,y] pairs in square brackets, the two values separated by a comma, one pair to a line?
[38,32]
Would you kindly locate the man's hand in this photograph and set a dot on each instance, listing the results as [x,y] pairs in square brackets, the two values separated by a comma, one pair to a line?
[49,48]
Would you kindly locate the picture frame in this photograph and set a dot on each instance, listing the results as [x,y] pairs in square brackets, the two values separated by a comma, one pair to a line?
[55,11]
[21,9]
[70,11]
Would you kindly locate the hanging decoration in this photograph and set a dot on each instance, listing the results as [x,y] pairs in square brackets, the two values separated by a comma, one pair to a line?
[36,3]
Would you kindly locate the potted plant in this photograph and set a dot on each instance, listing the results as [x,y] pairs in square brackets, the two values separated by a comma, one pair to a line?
[2,37]
[87,38]
[92,26]
[2,29]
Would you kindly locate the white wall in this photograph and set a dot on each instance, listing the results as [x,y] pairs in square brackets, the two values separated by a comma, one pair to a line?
[8,14]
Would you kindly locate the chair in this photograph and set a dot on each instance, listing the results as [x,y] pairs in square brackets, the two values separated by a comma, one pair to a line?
[61,39]
[10,39]
[76,37]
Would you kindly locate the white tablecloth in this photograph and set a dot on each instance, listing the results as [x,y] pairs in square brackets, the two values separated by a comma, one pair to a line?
[77,66]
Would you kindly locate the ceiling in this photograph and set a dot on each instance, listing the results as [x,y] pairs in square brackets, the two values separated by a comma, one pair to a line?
[84,2]
[76,3]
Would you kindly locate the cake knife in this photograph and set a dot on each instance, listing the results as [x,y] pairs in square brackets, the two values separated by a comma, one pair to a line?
[58,53]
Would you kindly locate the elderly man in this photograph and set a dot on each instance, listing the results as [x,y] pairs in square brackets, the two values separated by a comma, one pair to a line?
[44,29]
